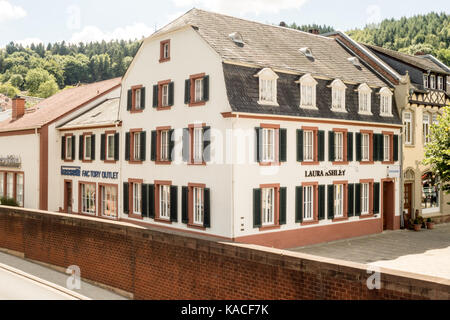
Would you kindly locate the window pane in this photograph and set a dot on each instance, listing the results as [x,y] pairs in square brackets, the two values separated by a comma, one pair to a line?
[87,147]
[387,148]
[308,203]
[138,99]
[199,90]
[198,145]
[19,189]
[339,146]
[164,202]
[10,185]
[137,198]
[165,95]
[110,147]
[88,198]
[308,142]
[109,201]
[198,205]
[2,184]
[339,201]
[268,206]
[69,147]
[430,191]
[137,146]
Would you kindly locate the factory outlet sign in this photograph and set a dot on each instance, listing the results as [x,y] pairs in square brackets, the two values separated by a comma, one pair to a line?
[10,162]
[325,173]
[77,172]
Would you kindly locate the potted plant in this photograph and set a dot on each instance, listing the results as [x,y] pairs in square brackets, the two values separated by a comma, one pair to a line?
[430,224]
[417,225]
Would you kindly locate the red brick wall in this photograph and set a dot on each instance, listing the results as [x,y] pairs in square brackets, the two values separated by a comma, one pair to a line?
[154,264]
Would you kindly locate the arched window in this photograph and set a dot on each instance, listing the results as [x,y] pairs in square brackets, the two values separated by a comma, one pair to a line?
[386,102]
[409,128]
[338,95]
[267,87]
[430,192]
[308,91]
[365,99]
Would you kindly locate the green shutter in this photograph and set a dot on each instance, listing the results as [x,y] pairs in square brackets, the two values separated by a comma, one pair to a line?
[351,200]
[93,147]
[143,146]
[171,94]
[154,144]
[151,201]
[103,147]
[186,145]
[144,195]
[171,145]
[174,203]
[375,143]
[331,156]
[299,204]
[80,148]
[129,100]
[350,146]
[380,147]
[358,147]
[207,206]
[187,91]
[155,96]
[396,145]
[299,145]
[358,199]
[322,202]
[206,88]
[330,201]
[258,144]
[63,148]
[116,146]
[73,147]
[142,98]
[376,198]
[126,194]
[127,146]
[257,214]
[283,205]
[321,146]
[207,144]
[283,145]
[185,205]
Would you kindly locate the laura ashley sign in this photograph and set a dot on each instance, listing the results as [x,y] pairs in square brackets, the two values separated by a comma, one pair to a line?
[324,173]
[10,162]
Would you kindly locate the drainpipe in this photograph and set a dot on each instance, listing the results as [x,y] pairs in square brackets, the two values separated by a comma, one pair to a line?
[233,232]
[402,182]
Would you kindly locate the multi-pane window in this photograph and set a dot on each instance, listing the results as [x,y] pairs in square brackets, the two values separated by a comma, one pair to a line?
[440,83]
[426,128]
[137,96]
[10,185]
[19,189]
[166,47]
[198,205]
[365,198]
[87,147]
[2,184]
[69,142]
[267,90]
[110,147]
[364,101]
[137,198]
[137,145]
[268,145]
[407,122]
[339,201]
[387,148]
[433,82]
[308,93]
[338,101]
[198,90]
[164,202]
[164,151]
[308,143]
[268,206]
[365,147]
[198,145]
[435,118]
[339,146]
[308,203]
[425,81]
[386,104]
[109,201]
[165,95]
[88,198]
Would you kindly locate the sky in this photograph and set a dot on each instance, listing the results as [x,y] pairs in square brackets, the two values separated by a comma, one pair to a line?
[27,21]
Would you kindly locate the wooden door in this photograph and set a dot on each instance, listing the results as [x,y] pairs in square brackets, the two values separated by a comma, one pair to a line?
[408,199]
[68,196]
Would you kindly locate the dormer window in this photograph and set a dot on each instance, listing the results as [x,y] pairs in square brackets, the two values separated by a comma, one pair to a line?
[267,87]
[338,95]
[307,92]
[307,52]
[386,102]
[425,81]
[365,99]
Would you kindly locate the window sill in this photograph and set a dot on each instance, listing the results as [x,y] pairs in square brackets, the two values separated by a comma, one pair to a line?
[409,146]
[163,163]
[136,111]
[161,220]
[195,226]
[164,108]
[69,161]
[197,104]
[269,164]
[110,161]
[309,107]
[388,162]
[310,223]
[268,103]
[340,163]
[367,216]
[135,216]
[267,228]
[366,162]
[135,162]
[197,164]
[339,110]
[310,163]
[164,60]
[340,219]
[387,115]
[365,113]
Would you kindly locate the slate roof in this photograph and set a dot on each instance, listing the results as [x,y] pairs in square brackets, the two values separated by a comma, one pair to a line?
[273,46]
[422,62]
[59,104]
[106,113]
[243,95]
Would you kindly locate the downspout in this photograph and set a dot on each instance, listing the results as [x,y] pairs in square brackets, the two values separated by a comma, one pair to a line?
[233,233]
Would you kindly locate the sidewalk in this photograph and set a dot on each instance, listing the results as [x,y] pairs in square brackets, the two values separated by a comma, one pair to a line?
[58,278]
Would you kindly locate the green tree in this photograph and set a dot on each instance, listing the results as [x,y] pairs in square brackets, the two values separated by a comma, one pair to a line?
[9,90]
[17,81]
[47,88]
[437,152]
[34,78]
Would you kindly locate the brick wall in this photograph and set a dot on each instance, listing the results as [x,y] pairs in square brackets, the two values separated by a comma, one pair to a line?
[155,264]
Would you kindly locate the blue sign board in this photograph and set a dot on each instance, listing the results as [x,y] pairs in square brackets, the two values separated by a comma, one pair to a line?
[77,172]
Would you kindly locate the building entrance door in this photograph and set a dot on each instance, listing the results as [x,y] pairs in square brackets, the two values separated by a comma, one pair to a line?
[388,205]
[68,196]
[408,199]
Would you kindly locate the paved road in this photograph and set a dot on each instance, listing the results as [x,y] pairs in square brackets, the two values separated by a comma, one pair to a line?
[425,252]
[14,286]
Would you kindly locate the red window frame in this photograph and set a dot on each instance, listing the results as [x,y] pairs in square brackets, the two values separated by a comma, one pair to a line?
[276,127]
[86,134]
[133,99]
[5,184]
[132,160]
[315,131]
[315,186]
[370,133]
[192,102]
[107,133]
[131,183]
[100,196]
[160,95]
[158,184]
[161,54]
[345,207]
[80,206]
[191,145]
[371,183]
[191,186]
[391,147]
[159,161]
[276,213]
[345,146]
[69,135]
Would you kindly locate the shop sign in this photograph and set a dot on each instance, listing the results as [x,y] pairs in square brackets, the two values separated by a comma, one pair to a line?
[393,172]
[77,172]
[325,173]
[71,171]
[10,162]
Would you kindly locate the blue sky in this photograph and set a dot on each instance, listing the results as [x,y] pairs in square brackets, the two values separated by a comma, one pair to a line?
[86,20]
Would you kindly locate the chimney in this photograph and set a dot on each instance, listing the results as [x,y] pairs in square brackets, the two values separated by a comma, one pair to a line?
[419,53]
[314,31]
[18,107]
[283,24]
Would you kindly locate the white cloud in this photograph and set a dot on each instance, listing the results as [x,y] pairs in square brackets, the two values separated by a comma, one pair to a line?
[242,7]
[373,14]
[10,12]
[28,41]
[93,33]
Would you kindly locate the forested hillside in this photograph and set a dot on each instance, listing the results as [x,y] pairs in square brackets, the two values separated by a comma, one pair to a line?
[428,34]
[43,70]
